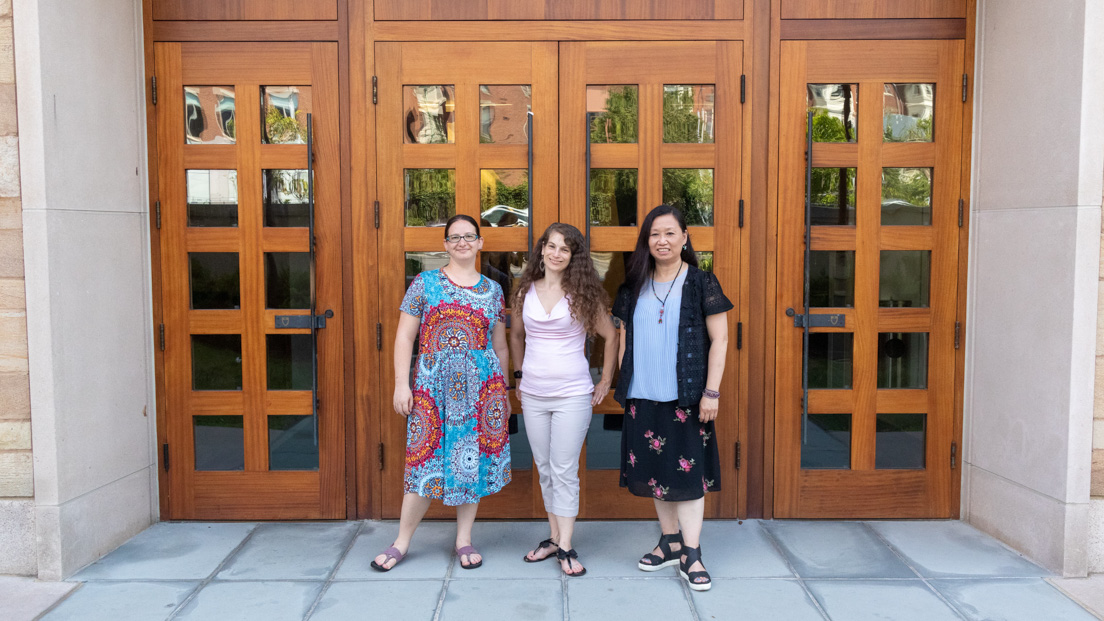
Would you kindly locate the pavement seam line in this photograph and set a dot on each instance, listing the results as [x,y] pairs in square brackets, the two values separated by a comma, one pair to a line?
[563,594]
[51,607]
[901,556]
[329,579]
[210,577]
[800,580]
[1071,597]
[444,587]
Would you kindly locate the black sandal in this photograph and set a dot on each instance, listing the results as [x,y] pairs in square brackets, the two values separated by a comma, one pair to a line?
[651,562]
[547,543]
[564,555]
[693,555]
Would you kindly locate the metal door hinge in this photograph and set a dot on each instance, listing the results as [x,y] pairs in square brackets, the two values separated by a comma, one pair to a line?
[961,211]
[739,335]
[161,336]
[741,214]
[375,90]
[737,455]
[377,214]
[153,89]
[165,456]
[743,88]
[958,333]
[965,81]
[381,455]
[379,337]
[157,208]
[954,455]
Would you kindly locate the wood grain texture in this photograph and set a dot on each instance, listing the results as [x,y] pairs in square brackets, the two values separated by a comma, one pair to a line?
[628,30]
[244,10]
[872,9]
[823,29]
[262,31]
[478,10]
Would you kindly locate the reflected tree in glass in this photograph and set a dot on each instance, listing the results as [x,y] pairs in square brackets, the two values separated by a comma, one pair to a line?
[613,196]
[906,196]
[614,111]
[834,108]
[833,196]
[430,196]
[285,198]
[691,190]
[908,113]
[504,197]
[688,113]
[284,112]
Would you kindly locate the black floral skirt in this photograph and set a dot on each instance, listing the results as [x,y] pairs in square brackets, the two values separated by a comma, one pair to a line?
[667,453]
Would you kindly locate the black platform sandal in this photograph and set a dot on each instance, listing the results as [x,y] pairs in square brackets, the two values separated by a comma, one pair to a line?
[651,562]
[564,555]
[547,543]
[693,555]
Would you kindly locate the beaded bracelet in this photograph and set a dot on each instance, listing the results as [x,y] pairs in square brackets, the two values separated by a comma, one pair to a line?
[712,394]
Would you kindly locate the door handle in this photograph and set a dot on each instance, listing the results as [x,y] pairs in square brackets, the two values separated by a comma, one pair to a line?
[817,320]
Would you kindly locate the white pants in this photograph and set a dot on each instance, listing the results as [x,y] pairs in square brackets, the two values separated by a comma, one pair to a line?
[557,427]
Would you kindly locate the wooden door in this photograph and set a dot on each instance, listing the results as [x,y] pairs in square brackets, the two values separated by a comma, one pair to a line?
[877,440]
[241,439]
[453,137]
[643,124]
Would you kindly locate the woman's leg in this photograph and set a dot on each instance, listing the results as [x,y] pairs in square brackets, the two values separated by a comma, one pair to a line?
[668,514]
[538,423]
[465,518]
[690,516]
[570,423]
[414,508]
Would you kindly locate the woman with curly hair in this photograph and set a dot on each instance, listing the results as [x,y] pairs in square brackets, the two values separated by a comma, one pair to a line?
[559,301]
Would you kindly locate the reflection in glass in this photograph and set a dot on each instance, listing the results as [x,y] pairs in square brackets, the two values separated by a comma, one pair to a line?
[289,361]
[504,268]
[905,278]
[428,114]
[418,262]
[292,443]
[688,113]
[214,279]
[835,115]
[287,280]
[827,444]
[906,196]
[832,278]
[430,196]
[705,261]
[613,113]
[503,114]
[285,198]
[212,197]
[908,113]
[611,271]
[830,360]
[613,196]
[833,197]
[521,454]
[603,442]
[209,115]
[899,441]
[691,190]
[284,111]
[903,360]
[504,197]
[216,362]
[219,442]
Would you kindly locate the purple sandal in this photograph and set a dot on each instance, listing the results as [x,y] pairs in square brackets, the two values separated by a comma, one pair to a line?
[390,553]
[468,550]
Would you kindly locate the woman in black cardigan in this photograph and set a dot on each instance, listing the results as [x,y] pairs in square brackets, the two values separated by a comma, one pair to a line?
[673,344]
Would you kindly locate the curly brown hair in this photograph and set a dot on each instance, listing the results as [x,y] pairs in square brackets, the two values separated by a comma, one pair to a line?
[587,298]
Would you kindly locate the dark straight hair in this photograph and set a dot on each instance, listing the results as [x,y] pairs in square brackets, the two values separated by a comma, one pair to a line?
[457,218]
[642,263]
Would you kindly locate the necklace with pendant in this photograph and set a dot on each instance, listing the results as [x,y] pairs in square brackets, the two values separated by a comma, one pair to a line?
[663,300]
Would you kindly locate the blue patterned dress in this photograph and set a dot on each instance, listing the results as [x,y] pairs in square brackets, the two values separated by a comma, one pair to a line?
[457,436]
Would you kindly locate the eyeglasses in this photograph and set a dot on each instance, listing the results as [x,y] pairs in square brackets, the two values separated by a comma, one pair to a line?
[455,239]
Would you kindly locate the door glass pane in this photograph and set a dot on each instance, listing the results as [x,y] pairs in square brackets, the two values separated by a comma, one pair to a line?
[209,115]
[285,198]
[521,454]
[216,362]
[611,271]
[830,360]
[691,190]
[289,361]
[899,441]
[688,113]
[705,261]
[613,113]
[428,114]
[287,280]
[430,196]
[292,443]
[833,197]
[504,197]
[832,278]
[284,111]
[504,268]
[613,196]
[827,444]
[906,196]
[603,442]
[905,278]
[504,114]
[219,442]
[418,262]
[212,197]
[908,113]
[835,111]
[903,360]
[214,279]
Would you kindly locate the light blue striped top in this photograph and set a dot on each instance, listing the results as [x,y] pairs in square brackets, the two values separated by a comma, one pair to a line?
[655,345]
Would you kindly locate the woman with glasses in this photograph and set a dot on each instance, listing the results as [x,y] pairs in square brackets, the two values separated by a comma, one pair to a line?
[458,443]
[673,346]
[558,302]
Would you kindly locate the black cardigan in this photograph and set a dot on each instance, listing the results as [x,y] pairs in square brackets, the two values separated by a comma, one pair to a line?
[701,296]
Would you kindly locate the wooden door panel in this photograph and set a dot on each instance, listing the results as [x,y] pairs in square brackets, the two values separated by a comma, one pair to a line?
[244,10]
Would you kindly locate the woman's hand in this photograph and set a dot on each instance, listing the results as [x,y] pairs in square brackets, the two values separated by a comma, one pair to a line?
[707,409]
[601,389]
[404,400]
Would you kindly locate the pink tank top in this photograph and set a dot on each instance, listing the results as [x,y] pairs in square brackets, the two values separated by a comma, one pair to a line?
[555,362]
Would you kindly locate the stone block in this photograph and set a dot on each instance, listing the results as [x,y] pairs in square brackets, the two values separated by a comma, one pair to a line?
[8,124]
[1098,433]
[9,166]
[15,435]
[1096,487]
[15,396]
[11,213]
[7,52]
[13,342]
[5,8]
[11,253]
[16,475]
[13,296]
[17,538]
